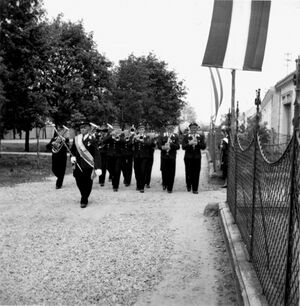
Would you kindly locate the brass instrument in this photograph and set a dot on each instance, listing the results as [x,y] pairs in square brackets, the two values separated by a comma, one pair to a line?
[58,143]
[139,137]
[194,139]
[167,144]
[127,135]
[116,135]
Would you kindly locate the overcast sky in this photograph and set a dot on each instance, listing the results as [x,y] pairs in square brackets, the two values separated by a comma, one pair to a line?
[176,31]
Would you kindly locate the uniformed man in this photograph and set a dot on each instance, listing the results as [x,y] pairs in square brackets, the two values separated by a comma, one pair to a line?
[127,155]
[114,155]
[87,160]
[103,135]
[168,143]
[150,159]
[224,147]
[58,145]
[193,143]
[141,153]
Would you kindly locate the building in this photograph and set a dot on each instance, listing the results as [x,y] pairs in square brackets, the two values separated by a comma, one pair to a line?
[277,108]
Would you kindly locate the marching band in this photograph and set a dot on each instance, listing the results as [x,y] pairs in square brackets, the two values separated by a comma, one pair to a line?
[101,148]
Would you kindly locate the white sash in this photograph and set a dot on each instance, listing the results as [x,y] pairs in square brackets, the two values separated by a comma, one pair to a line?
[83,152]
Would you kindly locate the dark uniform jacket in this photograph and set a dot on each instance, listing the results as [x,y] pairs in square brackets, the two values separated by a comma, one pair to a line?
[193,151]
[174,146]
[142,149]
[92,146]
[113,146]
[127,146]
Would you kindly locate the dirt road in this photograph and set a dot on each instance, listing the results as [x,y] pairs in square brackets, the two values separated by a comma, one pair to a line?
[125,248]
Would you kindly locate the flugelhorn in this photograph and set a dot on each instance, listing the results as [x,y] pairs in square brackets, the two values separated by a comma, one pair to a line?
[58,143]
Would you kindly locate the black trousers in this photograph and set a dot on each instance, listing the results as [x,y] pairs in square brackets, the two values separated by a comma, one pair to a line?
[114,168]
[140,164]
[59,164]
[149,165]
[192,172]
[126,168]
[168,169]
[84,181]
[103,167]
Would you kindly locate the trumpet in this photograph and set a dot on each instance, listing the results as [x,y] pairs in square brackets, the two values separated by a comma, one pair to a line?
[116,135]
[140,137]
[132,129]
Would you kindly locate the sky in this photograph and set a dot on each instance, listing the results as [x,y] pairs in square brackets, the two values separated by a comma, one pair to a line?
[176,31]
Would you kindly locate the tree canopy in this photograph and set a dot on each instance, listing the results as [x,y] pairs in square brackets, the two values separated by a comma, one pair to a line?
[146,91]
[53,70]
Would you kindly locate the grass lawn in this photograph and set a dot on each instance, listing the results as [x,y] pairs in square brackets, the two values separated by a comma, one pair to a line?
[20,146]
[17,169]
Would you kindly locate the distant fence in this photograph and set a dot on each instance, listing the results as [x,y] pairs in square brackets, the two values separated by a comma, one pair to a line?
[263,196]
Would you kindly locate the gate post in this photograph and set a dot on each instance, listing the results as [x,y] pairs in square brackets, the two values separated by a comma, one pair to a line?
[257,103]
[235,160]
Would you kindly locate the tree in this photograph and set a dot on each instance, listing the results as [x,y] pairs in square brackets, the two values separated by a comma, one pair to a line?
[75,77]
[146,91]
[3,75]
[22,41]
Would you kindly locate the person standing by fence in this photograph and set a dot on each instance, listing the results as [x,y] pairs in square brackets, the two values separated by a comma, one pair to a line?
[224,147]
[193,143]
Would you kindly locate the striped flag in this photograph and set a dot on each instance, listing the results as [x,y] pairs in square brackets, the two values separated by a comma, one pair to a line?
[238,34]
[218,100]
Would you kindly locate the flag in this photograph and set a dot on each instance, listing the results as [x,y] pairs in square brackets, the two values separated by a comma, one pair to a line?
[238,34]
[218,100]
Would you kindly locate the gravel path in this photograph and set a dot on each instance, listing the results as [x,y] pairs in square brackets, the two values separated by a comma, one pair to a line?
[125,248]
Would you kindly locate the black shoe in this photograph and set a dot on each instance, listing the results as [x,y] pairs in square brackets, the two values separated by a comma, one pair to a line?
[58,187]
[164,187]
[83,202]
[101,184]
[188,189]
[127,185]
[115,189]
[142,191]
[148,186]
[170,191]
[195,192]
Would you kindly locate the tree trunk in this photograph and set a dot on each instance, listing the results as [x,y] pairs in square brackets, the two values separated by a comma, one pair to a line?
[27,141]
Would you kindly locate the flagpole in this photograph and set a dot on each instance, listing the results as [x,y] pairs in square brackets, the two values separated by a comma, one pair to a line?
[232,100]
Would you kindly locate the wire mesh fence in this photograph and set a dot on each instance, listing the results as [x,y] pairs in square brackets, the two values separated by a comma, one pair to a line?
[263,196]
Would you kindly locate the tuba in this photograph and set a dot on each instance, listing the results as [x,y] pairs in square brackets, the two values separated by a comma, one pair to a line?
[58,143]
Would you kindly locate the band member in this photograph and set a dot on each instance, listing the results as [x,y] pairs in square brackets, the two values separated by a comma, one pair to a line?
[103,134]
[114,155]
[141,146]
[86,158]
[127,155]
[193,143]
[168,143]
[150,160]
[224,147]
[58,145]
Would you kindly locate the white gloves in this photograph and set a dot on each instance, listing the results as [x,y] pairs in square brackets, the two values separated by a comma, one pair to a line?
[73,159]
[98,172]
